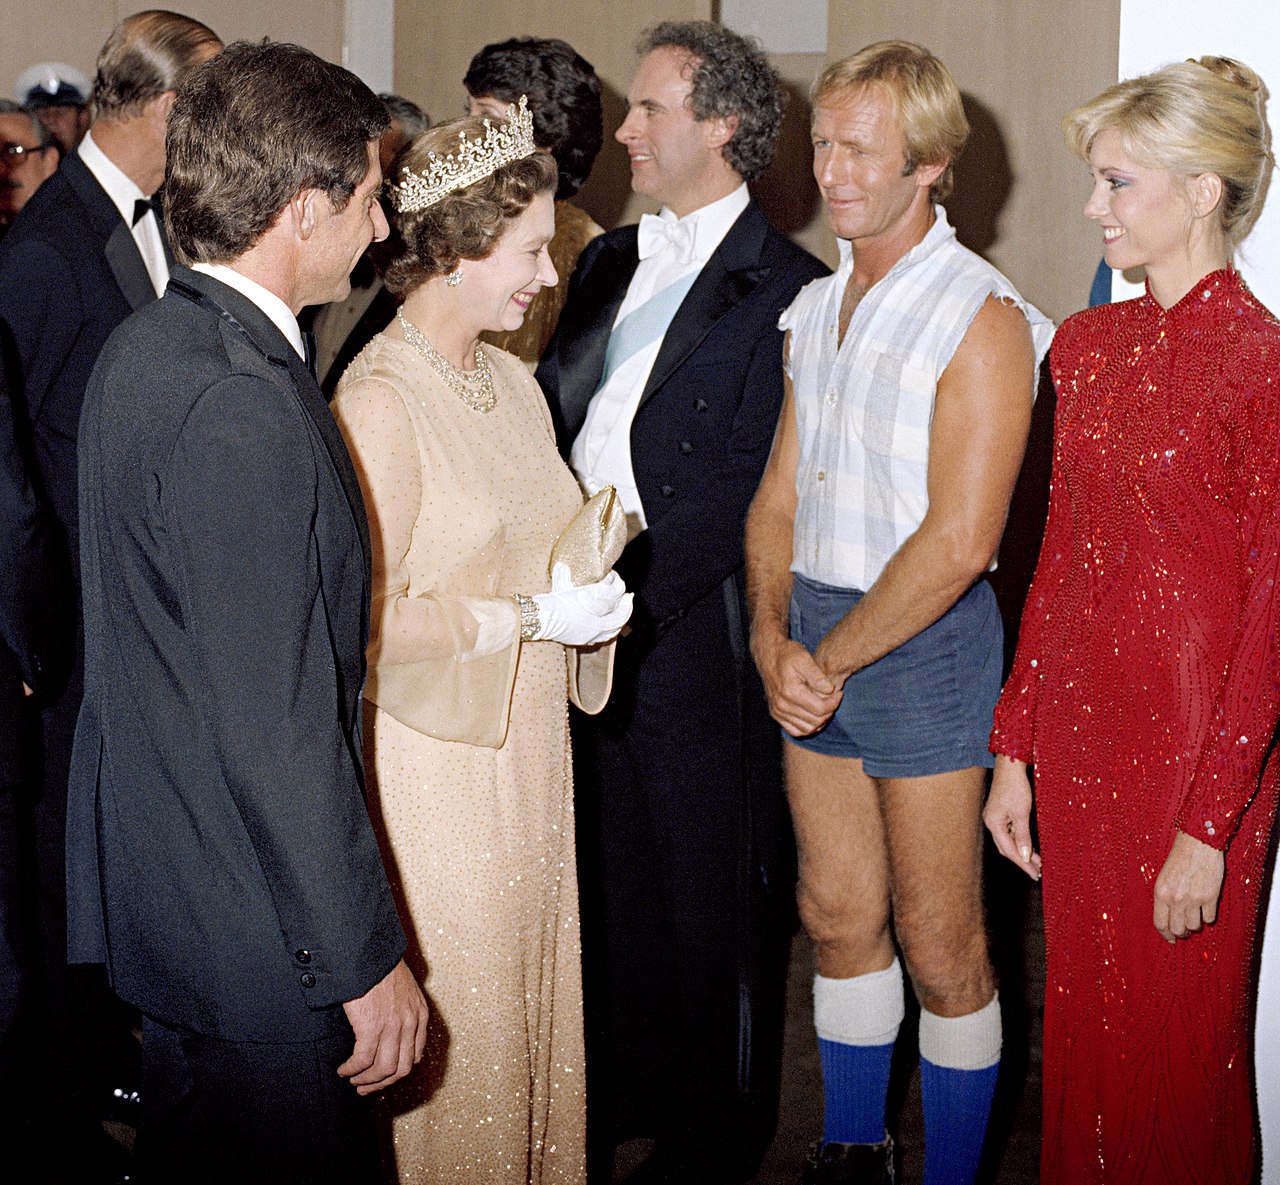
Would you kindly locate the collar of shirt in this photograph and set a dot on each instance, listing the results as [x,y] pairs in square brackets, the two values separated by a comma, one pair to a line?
[120,188]
[271,305]
[937,234]
[703,230]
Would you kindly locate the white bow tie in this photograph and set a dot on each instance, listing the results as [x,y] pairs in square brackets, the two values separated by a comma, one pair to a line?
[658,234]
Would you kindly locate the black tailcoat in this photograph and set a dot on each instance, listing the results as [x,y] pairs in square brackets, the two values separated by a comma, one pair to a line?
[70,273]
[683,835]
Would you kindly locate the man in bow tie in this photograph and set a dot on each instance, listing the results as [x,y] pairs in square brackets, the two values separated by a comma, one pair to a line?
[665,380]
[78,259]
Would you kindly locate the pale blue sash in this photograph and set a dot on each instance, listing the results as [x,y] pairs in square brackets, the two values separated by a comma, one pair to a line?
[643,326]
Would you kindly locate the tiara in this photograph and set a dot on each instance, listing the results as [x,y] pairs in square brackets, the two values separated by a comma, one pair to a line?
[501,144]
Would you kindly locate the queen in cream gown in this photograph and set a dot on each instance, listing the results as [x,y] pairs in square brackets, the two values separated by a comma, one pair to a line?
[466,728]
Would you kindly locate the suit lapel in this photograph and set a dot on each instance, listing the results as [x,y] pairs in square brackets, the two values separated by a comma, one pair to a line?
[582,354]
[727,279]
[121,251]
[125,261]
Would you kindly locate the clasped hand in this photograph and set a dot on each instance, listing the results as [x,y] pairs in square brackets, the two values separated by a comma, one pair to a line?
[584,615]
[390,1025]
[802,696]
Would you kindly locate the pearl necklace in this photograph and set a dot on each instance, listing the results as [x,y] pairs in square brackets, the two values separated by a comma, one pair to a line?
[473,387]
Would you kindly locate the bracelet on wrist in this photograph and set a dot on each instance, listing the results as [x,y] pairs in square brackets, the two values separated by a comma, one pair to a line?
[529,620]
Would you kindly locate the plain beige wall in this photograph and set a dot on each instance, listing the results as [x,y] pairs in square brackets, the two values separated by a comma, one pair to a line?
[73,31]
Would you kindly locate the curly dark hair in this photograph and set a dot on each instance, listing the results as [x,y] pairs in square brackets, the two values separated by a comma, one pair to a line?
[564,96]
[731,76]
[466,224]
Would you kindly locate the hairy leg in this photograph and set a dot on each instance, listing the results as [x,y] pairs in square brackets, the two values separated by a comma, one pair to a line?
[933,834]
[843,889]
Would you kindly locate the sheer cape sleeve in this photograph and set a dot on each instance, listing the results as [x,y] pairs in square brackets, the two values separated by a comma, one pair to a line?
[442,658]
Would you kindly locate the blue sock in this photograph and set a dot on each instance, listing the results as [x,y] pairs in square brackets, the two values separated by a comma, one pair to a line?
[957,1099]
[855,1082]
[857,1021]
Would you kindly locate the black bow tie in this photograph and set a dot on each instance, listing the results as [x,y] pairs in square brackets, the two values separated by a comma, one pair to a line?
[142,206]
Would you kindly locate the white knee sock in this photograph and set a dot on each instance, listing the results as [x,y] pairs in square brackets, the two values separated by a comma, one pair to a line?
[863,1010]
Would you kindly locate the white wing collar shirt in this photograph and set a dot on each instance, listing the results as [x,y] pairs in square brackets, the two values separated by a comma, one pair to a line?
[864,407]
[672,254]
[125,195]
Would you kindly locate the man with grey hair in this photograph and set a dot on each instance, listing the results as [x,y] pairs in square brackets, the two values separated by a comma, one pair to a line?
[664,381]
[85,251]
[28,158]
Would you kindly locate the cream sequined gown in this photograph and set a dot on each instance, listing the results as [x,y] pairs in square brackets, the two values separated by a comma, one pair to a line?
[467,751]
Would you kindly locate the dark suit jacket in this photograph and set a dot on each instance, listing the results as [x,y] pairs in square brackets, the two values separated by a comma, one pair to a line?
[30,583]
[70,272]
[221,859]
[706,420]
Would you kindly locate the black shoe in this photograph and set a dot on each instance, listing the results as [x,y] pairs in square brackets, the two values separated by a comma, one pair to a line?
[850,1164]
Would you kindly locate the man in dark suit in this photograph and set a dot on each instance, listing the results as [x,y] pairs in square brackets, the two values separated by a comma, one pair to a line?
[665,380]
[30,586]
[222,861]
[85,251]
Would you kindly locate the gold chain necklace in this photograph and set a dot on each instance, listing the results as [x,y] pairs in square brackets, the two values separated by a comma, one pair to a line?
[474,388]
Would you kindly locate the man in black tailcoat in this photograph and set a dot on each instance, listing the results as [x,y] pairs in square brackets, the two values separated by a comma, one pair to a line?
[222,861]
[664,380]
[32,580]
[85,251]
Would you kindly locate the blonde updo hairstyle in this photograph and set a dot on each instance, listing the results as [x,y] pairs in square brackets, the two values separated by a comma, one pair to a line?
[925,98]
[467,223]
[1204,115]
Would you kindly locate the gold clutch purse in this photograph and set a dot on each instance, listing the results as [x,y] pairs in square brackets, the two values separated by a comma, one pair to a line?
[592,542]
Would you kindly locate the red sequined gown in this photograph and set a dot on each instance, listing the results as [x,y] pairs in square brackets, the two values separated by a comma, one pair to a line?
[1145,691]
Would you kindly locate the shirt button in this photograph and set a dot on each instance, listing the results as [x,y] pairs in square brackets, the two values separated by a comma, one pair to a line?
[822,475]
[831,397]
[307,979]
[303,956]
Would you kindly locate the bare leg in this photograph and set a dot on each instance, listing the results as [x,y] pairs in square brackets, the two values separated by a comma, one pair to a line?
[933,831]
[843,889]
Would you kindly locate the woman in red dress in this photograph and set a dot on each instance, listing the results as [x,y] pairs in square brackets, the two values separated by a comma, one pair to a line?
[1146,687]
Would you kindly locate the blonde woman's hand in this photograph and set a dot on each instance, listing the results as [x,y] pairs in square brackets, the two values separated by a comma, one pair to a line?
[1187,889]
[1008,814]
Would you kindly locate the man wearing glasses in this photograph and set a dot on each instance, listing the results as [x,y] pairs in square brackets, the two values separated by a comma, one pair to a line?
[28,158]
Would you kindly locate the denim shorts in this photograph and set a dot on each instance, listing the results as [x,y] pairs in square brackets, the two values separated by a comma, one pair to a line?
[924,708]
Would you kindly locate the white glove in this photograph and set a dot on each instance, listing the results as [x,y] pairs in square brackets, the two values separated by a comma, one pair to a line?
[584,616]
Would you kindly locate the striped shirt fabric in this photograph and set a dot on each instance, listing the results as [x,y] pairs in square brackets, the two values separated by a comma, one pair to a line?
[864,408]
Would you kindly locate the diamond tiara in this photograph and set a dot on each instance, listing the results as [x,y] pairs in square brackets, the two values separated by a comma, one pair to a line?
[474,159]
